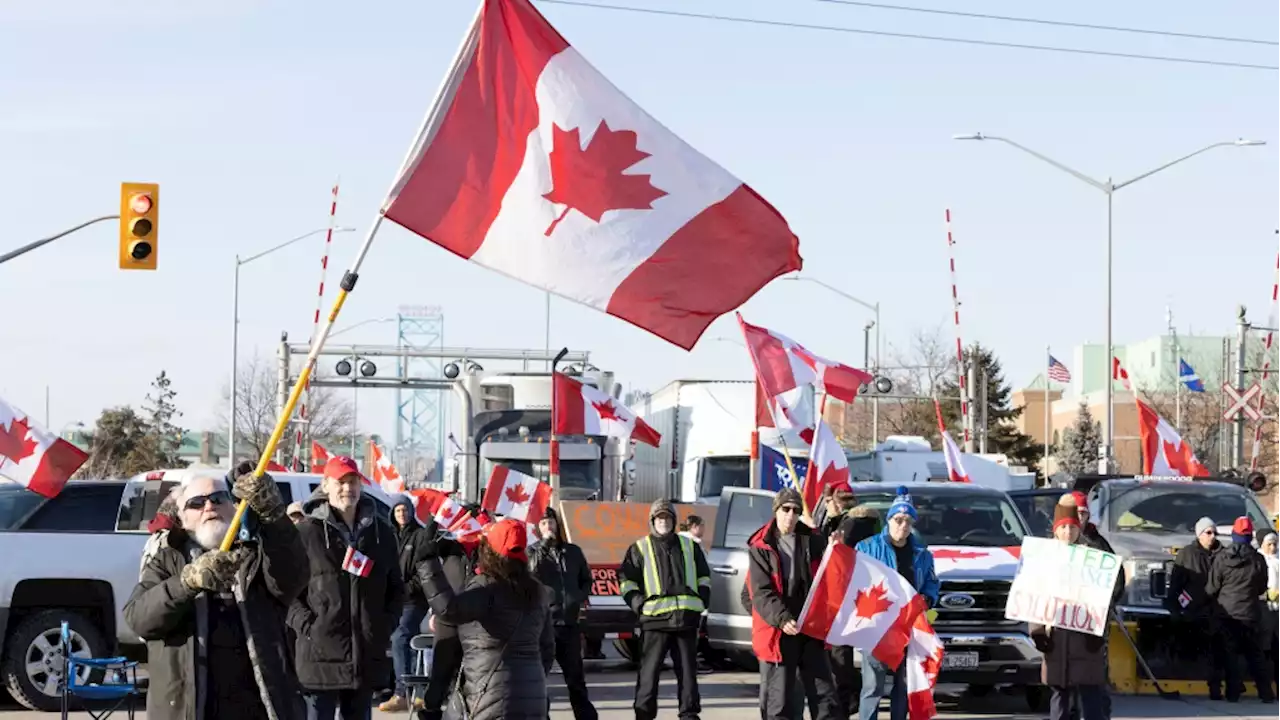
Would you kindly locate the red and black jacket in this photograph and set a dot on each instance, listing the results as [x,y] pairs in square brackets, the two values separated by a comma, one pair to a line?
[771,605]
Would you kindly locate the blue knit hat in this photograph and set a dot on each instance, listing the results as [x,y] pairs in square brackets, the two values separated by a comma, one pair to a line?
[902,505]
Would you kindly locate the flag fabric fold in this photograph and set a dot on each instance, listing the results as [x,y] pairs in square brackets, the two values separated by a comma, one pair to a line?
[828,466]
[34,457]
[535,166]
[385,474]
[955,465]
[584,410]
[319,456]
[1164,452]
[1187,376]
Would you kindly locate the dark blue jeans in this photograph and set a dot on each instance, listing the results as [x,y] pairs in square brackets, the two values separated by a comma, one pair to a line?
[401,654]
[354,704]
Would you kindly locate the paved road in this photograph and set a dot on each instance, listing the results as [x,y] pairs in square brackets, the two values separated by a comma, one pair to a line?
[733,696]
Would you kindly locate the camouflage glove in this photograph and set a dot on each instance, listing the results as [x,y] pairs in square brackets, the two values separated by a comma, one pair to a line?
[212,572]
[262,495]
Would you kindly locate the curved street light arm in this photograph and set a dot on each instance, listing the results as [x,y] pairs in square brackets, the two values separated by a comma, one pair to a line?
[1103,186]
[1171,163]
[287,243]
[836,290]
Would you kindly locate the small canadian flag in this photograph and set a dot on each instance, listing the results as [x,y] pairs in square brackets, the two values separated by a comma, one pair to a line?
[30,455]
[357,563]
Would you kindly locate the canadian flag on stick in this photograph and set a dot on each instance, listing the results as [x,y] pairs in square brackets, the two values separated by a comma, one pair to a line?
[319,456]
[534,165]
[950,451]
[32,456]
[384,473]
[828,466]
[516,495]
[1164,452]
[585,410]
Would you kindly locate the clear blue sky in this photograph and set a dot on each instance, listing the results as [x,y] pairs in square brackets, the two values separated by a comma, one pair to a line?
[245,112]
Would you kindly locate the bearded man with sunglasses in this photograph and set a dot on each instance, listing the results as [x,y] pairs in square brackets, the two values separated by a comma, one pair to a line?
[214,621]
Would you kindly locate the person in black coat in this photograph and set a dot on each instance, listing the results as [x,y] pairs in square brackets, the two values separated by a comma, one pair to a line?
[458,566]
[504,621]
[411,542]
[1198,623]
[783,558]
[1237,581]
[563,569]
[849,523]
[345,616]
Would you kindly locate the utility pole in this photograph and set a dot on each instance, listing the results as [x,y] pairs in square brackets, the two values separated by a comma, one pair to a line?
[1242,342]
[968,391]
[982,439]
[1177,370]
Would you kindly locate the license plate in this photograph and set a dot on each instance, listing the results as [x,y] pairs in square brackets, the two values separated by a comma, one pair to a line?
[960,661]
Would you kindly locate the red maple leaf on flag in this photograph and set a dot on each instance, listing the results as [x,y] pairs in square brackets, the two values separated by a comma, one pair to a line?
[606,410]
[869,603]
[945,554]
[14,443]
[517,495]
[591,181]
[447,513]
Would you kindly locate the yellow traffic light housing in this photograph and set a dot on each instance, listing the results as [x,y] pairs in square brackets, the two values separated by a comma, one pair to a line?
[139,225]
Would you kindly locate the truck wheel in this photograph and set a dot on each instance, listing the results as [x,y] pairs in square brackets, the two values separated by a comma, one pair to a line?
[33,659]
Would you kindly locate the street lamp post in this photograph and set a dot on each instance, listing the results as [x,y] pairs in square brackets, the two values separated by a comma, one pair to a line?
[235,326]
[874,307]
[1108,188]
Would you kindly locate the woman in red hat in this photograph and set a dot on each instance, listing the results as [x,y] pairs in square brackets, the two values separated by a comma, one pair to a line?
[504,624]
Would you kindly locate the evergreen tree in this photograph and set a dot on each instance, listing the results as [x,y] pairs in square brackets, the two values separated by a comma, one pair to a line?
[1078,452]
[163,436]
[1002,435]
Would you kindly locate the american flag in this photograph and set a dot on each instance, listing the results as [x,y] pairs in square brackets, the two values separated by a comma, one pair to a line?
[1057,371]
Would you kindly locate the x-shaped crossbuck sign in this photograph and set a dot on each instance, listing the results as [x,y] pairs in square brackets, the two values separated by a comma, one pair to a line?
[1240,402]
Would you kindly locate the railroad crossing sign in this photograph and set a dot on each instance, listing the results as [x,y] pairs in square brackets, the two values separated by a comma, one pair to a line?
[1240,402]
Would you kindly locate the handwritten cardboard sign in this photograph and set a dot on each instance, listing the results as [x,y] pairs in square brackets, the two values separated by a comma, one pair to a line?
[1065,586]
[604,530]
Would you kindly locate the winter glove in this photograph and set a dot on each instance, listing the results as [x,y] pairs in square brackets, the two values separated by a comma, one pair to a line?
[262,495]
[1273,595]
[213,571]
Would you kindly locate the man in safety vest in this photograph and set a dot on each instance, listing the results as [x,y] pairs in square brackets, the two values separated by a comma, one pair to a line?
[666,582]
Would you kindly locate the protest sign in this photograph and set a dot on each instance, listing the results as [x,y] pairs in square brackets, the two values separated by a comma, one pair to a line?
[1066,586]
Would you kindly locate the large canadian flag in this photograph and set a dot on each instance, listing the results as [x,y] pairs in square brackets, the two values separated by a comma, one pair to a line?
[828,466]
[859,601]
[1164,452]
[385,474]
[30,455]
[516,495]
[585,410]
[534,165]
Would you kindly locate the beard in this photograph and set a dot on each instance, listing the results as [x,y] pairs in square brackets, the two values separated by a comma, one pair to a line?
[209,533]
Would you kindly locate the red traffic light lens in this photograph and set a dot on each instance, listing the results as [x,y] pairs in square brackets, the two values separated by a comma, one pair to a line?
[140,204]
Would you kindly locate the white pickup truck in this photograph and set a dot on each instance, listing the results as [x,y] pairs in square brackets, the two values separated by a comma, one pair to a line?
[76,557]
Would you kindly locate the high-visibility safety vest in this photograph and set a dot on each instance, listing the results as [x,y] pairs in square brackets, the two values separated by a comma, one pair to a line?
[658,601]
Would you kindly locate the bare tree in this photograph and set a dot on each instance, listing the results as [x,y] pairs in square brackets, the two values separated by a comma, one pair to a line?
[329,417]
[924,368]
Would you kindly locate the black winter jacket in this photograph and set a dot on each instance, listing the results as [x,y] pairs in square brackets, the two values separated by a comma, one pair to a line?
[563,568]
[1237,578]
[1075,658]
[1190,573]
[507,650]
[670,561]
[344,622]
[174,622]
[1091,536]
[412,545]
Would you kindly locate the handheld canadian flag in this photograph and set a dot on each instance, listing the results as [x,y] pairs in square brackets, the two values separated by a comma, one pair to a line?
[585,410]
[950,451]
[384,473]
[1164,452]
[357,563]
[534,165]
[859,601]
[469,529]
[319,456]
[516,495]
[32,456]
[924,660]
[828,466]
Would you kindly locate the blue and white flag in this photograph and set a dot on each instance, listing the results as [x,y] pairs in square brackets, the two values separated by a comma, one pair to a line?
[774,474]
[1188,377]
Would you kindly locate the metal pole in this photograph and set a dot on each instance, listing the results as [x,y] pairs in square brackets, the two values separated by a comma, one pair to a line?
[875,401]
[1242,343]
[546,345]
[1048,429]
[45,241]
[968,422]
[982,447]
[355,409]
[282,388]
[1108,449]
[235,339]
[47,424]
[1177,376]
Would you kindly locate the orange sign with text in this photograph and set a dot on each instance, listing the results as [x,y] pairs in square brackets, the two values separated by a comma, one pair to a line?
[604,530]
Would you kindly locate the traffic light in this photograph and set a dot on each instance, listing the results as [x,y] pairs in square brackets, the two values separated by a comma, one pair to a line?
[139,225]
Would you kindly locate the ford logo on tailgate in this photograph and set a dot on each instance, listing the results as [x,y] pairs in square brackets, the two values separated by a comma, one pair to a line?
[957,601]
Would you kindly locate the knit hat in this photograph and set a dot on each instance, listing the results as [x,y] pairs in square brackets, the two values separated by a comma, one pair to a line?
[902,505]
[1269,536]
[662,506]
[295,508]
[1205,524]
[1242,531]
[1081,500]
[787,496]
[1064,513]
[508,538]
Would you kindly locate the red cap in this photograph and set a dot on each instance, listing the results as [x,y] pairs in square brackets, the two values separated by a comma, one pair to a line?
[340,466]
[1081,500]
[508,538]
[1243,526]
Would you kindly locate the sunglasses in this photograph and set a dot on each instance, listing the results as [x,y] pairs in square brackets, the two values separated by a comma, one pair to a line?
[214,498]
[789,509]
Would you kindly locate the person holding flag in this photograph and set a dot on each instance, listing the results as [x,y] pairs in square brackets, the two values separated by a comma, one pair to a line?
[344,618]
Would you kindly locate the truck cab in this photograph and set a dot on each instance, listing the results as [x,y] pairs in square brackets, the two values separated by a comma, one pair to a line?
[974,534]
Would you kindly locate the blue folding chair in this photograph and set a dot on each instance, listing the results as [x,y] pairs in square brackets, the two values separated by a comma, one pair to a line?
[117,689]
